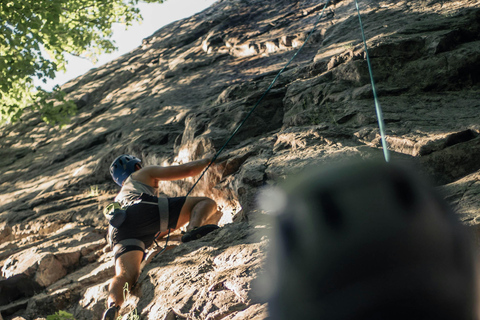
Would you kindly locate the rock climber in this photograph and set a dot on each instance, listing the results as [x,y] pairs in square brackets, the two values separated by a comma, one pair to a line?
[366,241]
[146,216]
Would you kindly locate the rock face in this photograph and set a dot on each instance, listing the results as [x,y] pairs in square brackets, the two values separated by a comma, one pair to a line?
[181,95]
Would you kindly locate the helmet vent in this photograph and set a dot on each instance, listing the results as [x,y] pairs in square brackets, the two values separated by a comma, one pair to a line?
[331,212]
[405,194]
[289,236]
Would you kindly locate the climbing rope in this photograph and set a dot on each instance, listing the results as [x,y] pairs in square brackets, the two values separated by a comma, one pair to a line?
[250,113]
[378,108]
[261,98]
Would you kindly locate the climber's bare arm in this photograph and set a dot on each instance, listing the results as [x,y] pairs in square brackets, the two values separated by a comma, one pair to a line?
[150,175]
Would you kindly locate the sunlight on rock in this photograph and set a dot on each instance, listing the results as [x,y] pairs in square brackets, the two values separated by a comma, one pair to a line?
[68,226]
[170,189]
[228,210]
[179,97]
[189,80]
[78,170]
[271,46]
[93,295]
[183,155]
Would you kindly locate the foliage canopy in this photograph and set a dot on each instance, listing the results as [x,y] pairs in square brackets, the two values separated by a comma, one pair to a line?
[35,35]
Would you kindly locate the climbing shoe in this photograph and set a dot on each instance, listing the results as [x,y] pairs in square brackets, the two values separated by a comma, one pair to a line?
[199,232]
[111,313]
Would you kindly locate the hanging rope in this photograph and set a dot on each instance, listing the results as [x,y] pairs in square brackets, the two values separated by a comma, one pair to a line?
[250,112]
[378,108]
[261,98]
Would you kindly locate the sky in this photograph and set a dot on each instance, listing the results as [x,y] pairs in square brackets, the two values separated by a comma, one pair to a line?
[155,15]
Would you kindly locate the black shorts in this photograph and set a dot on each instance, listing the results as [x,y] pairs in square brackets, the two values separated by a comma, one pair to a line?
[142,223]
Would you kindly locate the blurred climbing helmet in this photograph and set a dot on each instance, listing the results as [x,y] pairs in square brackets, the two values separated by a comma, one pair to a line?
[122,167]
[366,241]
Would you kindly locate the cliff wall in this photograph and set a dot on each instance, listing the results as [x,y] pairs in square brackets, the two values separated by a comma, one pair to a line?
[181,94]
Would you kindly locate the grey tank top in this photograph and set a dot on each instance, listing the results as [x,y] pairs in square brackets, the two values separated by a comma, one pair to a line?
[133,189]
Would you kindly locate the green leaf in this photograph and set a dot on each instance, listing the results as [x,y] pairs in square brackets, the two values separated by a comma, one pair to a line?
[35,36]
[61,315]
